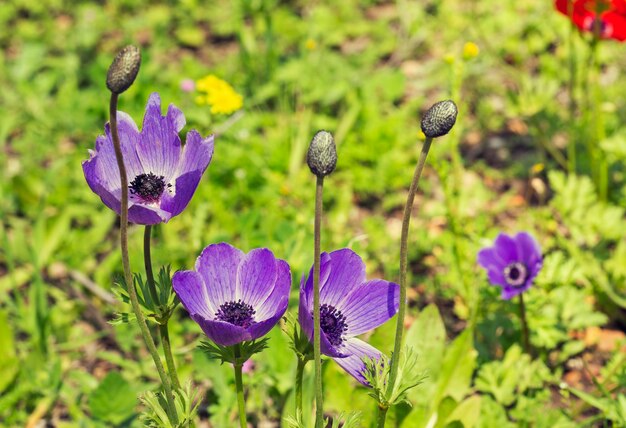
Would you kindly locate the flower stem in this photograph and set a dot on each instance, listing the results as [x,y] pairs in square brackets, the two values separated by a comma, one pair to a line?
[163,330]
[571,147]
[522,314]
[406,220]
[132,293]
[319,394]
[299,376]
[147,261]
[167,351]
[239,386]
[381,415]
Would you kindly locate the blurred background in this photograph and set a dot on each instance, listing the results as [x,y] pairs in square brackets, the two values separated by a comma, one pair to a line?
[539,145]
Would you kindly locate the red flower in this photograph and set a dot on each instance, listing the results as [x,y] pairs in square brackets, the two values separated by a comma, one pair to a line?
[608,17]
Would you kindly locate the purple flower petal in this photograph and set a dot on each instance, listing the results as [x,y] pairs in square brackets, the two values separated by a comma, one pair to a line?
[159,146]
[146,214]
[506,249]
[528,247]
[306,283]
[512,263]
[256,277]
[222,333]
[510,292]
[357,350]
[370,305]
[347,271]
[185,186]
[261,328]
[154,152]
[279,296]
[197,153]
[489,259]
[244,295]
[192,293]
[305,319]
[496,277]
[218,265]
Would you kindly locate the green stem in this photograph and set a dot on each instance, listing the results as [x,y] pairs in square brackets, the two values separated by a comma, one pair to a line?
[381,416]
[571,147]
[169,357]
[163,329]
[132,293]
[525,335]
[147,261]
[317,357]
[406,220]
[239,386]
[299,378]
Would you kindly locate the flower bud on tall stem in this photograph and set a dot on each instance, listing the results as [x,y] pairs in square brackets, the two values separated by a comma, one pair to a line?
[121,75]
[322,160]
[437,121]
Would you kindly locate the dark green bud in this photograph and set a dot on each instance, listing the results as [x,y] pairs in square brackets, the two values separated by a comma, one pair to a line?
[439,119]
[322,154]
[124,69]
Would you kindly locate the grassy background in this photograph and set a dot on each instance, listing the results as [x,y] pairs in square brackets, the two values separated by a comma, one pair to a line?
[364,70]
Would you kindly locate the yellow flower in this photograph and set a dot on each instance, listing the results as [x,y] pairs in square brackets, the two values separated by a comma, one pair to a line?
[470,50]
[218,94]
[310,44]
[537,168]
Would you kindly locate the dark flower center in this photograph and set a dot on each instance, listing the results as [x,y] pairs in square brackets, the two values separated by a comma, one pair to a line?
[236,313]
[333,324]
[596,24]
[148,187]
[515,274]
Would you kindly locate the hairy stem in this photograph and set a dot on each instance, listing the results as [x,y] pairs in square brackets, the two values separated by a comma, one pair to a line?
[132,293]
[239,387]
[163,329]
[522,314]
[147,261]
[571,147]
[299,378]
[381,416]
[169,357]
[319,393]
[406,220]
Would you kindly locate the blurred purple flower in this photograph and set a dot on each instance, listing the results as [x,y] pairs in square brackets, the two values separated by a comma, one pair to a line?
[187,85]
[162,173]
[512,263]
[349,306]
[234,296]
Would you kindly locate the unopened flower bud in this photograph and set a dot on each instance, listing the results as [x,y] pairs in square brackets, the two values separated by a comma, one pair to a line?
[124,69]
[439,119]
[322,154]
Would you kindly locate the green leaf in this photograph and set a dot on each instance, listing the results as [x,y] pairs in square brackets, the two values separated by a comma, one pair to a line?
[113,400]
[458,366]
[427,336]
[9,363]
[467,412]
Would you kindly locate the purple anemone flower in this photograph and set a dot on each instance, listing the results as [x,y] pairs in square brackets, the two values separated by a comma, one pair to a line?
[512,263]
[349,306]
[162,173]
[234,296]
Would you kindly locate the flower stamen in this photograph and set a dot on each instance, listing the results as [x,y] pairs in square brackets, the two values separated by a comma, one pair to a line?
[237,313]
[333,324]
[149,187]
[515,274]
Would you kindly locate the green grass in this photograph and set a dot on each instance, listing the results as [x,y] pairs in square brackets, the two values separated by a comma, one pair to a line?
[364,71]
